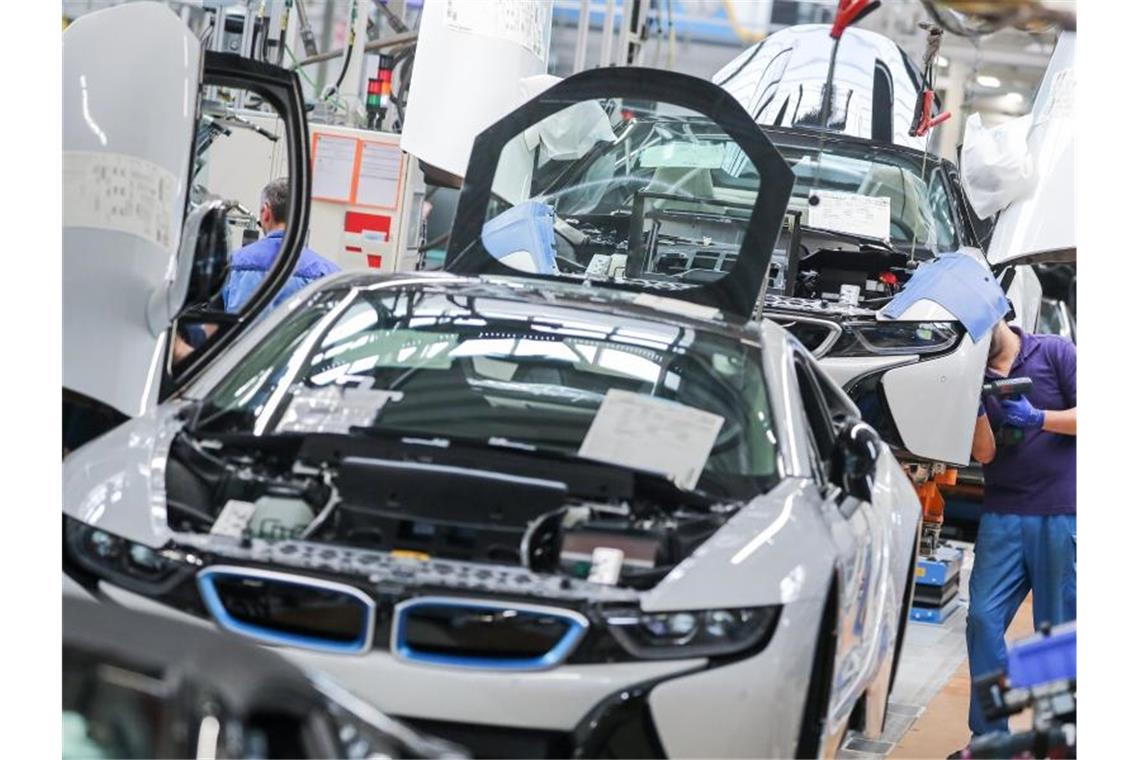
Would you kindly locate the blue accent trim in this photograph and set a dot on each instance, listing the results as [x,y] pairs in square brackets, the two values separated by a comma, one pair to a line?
[228,622]
[576,629]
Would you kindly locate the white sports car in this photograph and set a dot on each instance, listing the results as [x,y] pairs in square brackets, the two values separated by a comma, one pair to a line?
[567,498]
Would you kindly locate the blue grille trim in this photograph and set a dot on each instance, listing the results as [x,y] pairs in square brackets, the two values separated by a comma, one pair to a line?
[577,624]
[228,622]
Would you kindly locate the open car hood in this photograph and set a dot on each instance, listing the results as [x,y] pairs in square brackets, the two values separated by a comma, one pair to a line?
[1041,228]
[631,178]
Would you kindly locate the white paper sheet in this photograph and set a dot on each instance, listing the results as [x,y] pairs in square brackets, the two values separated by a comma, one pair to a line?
[867,215]
[379,179]
[113,191]
[652,434]
[523,22]
[333,409]
[332,167]
[234,519]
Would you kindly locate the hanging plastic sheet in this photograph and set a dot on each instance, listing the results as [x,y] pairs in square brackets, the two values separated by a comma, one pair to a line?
[959,284]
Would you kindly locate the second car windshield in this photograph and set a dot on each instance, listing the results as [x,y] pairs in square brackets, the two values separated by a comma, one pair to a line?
[919,202]
[437,364]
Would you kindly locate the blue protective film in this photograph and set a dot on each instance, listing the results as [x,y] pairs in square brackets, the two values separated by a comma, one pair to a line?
[526,227]
[961,285]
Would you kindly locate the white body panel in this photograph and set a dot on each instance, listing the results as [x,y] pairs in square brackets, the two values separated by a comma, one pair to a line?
[935,402]
[449,104]
[1045,222]
[780,79]
[112,262]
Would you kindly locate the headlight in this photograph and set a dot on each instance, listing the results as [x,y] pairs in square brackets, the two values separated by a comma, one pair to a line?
[896,338]
[692,633]
[124,563]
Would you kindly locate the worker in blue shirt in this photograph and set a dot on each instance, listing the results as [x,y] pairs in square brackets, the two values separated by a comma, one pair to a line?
[249,264]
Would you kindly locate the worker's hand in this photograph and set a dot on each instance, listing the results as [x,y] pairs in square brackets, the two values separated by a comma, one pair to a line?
[1019,413]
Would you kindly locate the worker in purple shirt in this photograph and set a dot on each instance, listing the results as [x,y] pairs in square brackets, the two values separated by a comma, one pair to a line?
[248,265]
[1027,538]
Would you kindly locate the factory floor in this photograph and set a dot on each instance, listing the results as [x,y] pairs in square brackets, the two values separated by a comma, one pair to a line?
[926,717]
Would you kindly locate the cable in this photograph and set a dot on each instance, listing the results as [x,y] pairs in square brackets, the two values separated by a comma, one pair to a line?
[348,47]
[284,29]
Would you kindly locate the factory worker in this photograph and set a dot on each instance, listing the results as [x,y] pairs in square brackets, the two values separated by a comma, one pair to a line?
[1027,537]
[249,264]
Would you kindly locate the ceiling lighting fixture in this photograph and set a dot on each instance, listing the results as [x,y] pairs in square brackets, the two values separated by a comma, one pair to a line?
[943,62]
[985,80]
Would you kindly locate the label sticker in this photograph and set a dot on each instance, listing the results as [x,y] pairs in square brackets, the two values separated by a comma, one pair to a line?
[524,22]
[112,191]
[599,265]
[605,565]
[652,434]
[333,409]
[866,215]
[234,519]
[849,294]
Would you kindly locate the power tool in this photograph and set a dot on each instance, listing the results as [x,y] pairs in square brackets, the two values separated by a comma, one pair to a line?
[1003,388]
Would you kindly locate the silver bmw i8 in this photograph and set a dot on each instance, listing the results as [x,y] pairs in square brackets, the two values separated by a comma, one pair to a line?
[567,497]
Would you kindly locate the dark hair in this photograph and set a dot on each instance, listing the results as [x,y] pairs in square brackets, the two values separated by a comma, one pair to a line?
[276,194]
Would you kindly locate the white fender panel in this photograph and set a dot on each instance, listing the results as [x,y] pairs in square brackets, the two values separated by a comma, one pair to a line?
[935,402]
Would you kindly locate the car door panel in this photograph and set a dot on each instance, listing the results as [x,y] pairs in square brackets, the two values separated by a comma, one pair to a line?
[128,174]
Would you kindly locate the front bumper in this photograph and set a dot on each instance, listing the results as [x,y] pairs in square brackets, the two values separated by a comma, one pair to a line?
[745,708]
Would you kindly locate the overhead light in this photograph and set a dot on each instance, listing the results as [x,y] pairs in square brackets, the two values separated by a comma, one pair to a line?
[1013,98]
[985,80]
[943,62]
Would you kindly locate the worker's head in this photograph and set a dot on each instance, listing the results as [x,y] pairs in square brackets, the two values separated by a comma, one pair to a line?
[274,205]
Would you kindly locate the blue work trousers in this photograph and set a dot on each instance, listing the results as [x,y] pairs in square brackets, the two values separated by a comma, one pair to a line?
[1016,554]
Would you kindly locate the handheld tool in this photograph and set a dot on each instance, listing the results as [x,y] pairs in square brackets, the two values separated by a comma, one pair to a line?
[1007,387]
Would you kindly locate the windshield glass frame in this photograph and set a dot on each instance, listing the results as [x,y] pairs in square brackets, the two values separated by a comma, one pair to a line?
[557,371]
[734,294]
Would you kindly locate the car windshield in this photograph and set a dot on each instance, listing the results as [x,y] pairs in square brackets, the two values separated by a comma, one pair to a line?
[441,364]
[691,157]
[920,210]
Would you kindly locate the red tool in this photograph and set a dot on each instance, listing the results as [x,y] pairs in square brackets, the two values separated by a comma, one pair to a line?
[924,122]
[849,12]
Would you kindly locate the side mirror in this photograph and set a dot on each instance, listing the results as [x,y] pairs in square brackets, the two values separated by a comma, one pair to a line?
[853,459]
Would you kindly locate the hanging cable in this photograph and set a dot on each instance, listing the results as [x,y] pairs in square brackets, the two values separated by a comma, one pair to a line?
[283,31]
[351,43]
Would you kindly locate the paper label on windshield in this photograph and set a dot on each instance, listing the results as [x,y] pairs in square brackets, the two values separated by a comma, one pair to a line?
[333,409]
[683,155]
[866,215]
[652,434]
[113,191]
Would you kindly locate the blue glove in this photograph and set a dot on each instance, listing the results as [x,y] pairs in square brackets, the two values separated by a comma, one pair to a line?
[1019,413]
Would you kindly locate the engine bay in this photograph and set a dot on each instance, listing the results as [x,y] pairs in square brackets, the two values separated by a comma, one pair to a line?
[575,519]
